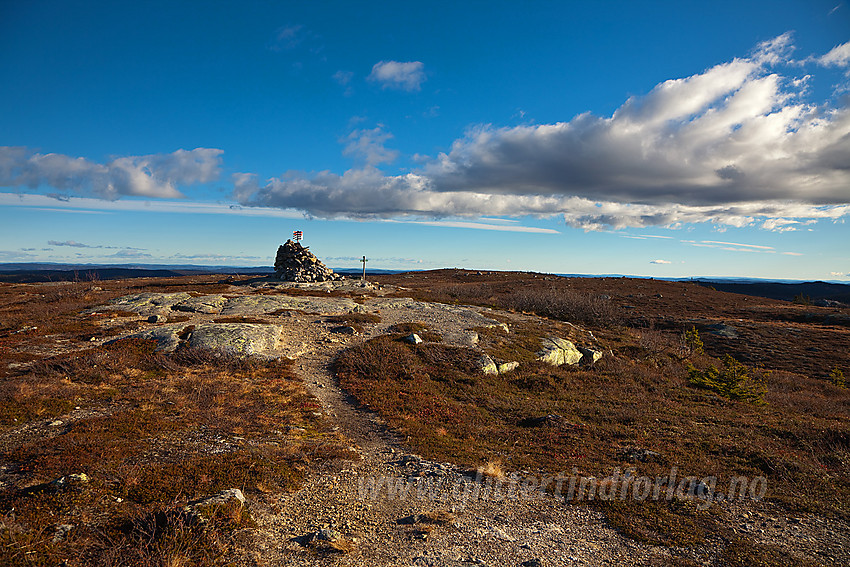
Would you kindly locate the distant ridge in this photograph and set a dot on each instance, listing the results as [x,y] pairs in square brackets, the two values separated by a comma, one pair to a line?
[786,291]
[50,272]
[34,273]
[49,266]
[24,272]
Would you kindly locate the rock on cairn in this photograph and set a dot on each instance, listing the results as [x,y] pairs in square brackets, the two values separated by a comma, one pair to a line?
[295,263]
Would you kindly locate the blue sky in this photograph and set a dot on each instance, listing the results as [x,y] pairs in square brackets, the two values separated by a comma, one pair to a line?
[647,138]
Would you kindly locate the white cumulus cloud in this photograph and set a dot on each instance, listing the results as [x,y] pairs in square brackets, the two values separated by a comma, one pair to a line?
[734,145]
[661,262]
[156,175]
[368,145]
[407,75]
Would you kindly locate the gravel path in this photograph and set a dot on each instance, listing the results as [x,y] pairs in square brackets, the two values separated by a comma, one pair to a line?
[341,497]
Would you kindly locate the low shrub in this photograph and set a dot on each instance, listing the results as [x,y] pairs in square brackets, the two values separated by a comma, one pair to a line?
[693,342]
[733,381]
[836,376]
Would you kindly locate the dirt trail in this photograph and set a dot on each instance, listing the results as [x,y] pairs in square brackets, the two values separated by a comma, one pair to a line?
[484,531]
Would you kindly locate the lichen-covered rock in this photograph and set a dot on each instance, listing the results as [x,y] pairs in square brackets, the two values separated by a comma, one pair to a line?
[197,510]
[148,303]
[167,337]
[222,497]
[490,366]
[557,351]
[212,304]
[506,367]
[261,304]
[487,365]
[237,339]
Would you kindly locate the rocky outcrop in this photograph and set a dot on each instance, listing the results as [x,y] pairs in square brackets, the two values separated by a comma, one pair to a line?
[203,304]
[490,366]
[148,303]
[557,351]
[167,337]
[235,339]
[295,263]
[254,305]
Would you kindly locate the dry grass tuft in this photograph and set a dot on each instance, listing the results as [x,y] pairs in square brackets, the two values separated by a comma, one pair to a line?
[492,469]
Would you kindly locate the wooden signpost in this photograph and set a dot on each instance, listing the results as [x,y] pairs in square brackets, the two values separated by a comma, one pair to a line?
[297,235]
[363,261]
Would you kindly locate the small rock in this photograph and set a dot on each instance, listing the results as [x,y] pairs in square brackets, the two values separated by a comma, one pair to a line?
[76,477]
[589,356]
[327,539]
[413,339]
[328,534]
[222,497]
[157,319]
[344,330]
[470,338]
[61,532]
[59,484]
[487,365]
[499,533]
[638,454]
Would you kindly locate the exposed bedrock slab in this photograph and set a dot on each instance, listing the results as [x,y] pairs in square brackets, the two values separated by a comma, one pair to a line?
[167,337]
[260,304]
[462,316]
[239,339]
[212,304]
[147,303]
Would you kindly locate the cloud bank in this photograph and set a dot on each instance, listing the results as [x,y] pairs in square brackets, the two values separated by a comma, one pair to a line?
[735,145]
[156,175]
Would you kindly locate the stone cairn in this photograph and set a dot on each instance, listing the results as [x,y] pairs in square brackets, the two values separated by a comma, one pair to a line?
[295,263]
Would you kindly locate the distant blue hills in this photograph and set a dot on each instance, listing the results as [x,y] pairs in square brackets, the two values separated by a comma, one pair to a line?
[31,272]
